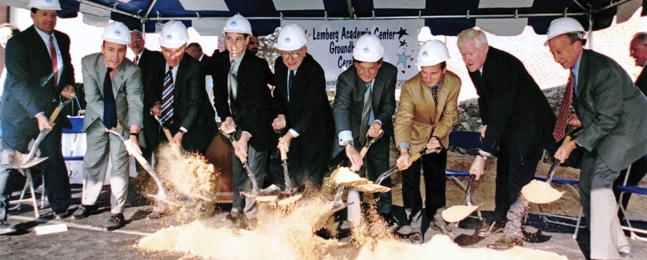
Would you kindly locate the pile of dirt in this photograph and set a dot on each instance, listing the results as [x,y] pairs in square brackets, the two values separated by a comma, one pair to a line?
[187,173]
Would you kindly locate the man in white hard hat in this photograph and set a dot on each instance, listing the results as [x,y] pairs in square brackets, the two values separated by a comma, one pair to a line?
[241,98]
[301,107]
[517,124]
[638,51]
[39,74]
[610,109]
[114,95]
[145,59]
[426,114]
[364,105]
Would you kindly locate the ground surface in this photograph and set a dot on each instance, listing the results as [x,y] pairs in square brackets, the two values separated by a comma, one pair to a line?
[86,240]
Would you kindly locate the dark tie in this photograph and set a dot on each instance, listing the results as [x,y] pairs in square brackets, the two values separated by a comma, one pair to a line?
[564,110]
[109,106]
[366,114]
[290,78]
[54,56]
[434,92]
[233,81]
[136,60]
[167,98]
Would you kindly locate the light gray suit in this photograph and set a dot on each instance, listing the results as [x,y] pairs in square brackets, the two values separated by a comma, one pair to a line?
[611,109]
[128,92]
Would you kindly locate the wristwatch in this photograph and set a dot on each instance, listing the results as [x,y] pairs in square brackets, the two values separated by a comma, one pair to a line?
[351,143]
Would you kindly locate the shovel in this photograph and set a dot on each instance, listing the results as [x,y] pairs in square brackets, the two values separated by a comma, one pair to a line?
[161,193]
[256,194]
[284,163]
[22,161]
[460,212]
[338,204]
[412,158]
[169,137]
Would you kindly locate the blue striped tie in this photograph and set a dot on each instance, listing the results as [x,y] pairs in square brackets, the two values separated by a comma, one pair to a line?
[167,98]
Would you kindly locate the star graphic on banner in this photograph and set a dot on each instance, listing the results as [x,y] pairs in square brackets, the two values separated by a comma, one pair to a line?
[401,32]
[402,58]
[403,43]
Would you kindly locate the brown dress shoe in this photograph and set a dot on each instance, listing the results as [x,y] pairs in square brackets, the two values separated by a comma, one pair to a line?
[505,243]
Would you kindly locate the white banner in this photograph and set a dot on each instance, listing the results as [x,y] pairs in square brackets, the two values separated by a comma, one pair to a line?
[331,44]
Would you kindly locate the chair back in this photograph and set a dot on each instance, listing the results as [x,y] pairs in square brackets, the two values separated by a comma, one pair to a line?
[465,139]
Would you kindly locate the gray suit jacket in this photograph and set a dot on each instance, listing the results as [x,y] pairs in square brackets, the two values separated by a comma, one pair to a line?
[349,102]
[126,86]
[612,111]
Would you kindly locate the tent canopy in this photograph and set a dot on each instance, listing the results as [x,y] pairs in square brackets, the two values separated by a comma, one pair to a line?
[501,17]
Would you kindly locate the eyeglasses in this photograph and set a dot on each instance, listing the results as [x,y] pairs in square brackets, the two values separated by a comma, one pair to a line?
[138,40]
[294,54]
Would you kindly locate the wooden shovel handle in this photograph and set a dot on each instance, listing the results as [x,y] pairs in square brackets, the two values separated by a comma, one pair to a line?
[284,153]
[168,134]
[412,158]
[240,156]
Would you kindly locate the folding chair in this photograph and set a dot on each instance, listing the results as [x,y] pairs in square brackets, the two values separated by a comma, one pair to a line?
[465,140]
[552,146]
[635,190]
[70,152]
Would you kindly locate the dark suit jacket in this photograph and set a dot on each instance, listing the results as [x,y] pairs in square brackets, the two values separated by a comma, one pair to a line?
[612,111]
[512,105]
[308,112]
[252,105]
[30,86]
[147,63]
[191,107]
[641,81]
[349,102]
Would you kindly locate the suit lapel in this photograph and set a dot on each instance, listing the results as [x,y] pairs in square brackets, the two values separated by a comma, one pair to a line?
[101,70]
[442,98]
[582,73]
[378,88]
[180,77]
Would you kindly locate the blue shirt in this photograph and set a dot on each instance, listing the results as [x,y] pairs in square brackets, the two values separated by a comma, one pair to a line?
[575,69]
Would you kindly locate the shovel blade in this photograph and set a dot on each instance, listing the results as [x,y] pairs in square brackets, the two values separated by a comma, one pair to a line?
[165,199]
[20,164]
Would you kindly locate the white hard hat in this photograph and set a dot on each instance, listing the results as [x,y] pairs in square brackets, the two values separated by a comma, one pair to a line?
[173,35]
[291,37]
[45,4]
[237,24]
[431,53]
[564,25]
[368,48]
[116,32]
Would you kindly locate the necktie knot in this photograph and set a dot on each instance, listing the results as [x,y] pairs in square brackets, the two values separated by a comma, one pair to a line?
[109,70]
[232,69]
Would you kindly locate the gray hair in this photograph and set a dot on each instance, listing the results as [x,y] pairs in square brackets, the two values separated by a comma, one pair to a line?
[641,36]
[476,35]
[139,33]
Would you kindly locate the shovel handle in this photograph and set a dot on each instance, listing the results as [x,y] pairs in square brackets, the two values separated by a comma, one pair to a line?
[168,134]
[284,152]
[412,158]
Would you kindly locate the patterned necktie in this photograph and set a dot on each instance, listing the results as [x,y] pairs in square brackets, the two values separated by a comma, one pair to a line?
[290,79]
[366,114]
[233,82]
[434,92]
[564,110]
[54,56]
[136,60]
[109,106]
[167,98]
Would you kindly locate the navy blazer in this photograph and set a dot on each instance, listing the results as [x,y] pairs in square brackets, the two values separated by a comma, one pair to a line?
[30,86]
[641,81]
[512,105]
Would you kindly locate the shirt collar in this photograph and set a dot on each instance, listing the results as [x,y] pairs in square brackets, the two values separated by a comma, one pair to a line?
[576,67]
[44,35]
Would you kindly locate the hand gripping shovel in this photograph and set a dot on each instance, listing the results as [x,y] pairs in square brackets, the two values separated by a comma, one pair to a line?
[338,203]
[22,161]
[169,137]
[412,158]
[460,212]
[161,193]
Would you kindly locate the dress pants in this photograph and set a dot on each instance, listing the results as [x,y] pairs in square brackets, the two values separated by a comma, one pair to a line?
[596,180]
[57,182]
[257,160]
[103,147]
[306,163]
[433,166]
[513,171]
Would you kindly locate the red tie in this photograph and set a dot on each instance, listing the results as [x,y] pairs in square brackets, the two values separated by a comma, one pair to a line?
[564,110]
[54,57]
[136,60]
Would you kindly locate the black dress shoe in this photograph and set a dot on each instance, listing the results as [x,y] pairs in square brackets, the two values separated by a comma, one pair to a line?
[6,229]
[416,238]
[505,243]
[390,220]
[496,227]
[83,211]
[115,221]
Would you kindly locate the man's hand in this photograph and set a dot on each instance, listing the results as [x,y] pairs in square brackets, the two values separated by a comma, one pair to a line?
[434,145]
[43,122]
[374,130]
[132,145]
[157,109]
[68,92]
[279,122]
[228,126]
[564,151]
[285,141]
[573,121]
[478,167]
[354,157]
[177,139]
[403,159]
[483,131]
[241,145]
